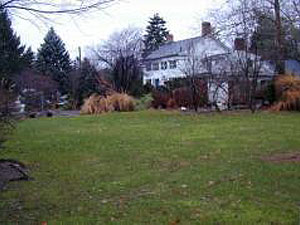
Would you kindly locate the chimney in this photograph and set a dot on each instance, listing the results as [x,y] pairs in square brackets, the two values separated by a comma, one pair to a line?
[239,44]
[206,29]
[170,38]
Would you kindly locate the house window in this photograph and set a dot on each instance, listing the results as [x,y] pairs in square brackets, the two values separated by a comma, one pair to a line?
[164,65]
[148,67]
[173,64]
[155,66]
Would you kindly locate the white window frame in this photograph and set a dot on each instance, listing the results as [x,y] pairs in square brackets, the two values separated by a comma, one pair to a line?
[164,65]
[155,66]
[172,64]
[148,66]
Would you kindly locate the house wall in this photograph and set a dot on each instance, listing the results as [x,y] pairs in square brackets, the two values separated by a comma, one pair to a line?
[205,47]
[219,94]
[164,75]
[221,61]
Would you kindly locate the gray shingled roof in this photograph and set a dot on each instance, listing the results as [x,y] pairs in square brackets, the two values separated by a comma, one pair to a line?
[292,66]
[178,48]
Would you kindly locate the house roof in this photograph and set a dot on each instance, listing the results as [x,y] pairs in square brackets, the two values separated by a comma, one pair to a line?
[292,67]
[180,48]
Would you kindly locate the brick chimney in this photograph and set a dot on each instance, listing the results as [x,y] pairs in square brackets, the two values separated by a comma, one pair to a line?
[170,38]
[206,29]
[239,44]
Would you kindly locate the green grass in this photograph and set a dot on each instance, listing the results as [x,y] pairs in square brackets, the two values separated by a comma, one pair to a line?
[155,168]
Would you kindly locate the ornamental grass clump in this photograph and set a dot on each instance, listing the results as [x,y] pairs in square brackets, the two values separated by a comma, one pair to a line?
[121,102]
[288,92]
[97,104]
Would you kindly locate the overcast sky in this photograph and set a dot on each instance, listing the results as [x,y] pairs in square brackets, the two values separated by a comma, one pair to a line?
[182,18]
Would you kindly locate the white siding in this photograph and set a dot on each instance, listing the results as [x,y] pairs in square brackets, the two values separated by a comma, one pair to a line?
[164,75]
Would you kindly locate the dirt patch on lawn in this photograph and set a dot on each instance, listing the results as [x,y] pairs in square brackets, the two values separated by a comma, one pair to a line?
[12,170]
[283,157]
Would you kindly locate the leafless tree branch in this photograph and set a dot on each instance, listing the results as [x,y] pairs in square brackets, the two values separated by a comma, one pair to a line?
[44,7]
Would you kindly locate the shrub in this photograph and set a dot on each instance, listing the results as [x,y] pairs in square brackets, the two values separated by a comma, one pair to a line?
[288,91]
[160,99]
[144,102]
[97,104]
[171,104]
[183,97]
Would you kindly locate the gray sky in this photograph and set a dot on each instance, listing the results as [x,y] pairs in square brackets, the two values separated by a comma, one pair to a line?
[89,30]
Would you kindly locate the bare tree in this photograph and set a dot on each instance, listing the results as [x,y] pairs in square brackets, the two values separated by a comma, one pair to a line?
[126,42]
[289,9]
[218,90]
[121,55]
[37,92]
[247,69]
[44,7]
[246,64]
[238,14]
[207,75]
[239,21]
[39,12]
[191,68]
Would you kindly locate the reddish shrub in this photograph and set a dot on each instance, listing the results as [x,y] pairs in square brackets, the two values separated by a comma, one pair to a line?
[171,104]
[160,99]
[185,96]
[182,96]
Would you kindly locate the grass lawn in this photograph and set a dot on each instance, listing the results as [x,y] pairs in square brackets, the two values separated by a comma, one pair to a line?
[155,168]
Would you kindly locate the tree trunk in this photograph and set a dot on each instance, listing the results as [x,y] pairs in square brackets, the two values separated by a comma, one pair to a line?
[252,94]
[280,50]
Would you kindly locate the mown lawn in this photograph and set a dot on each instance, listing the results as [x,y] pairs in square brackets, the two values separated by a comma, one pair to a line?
[155,168]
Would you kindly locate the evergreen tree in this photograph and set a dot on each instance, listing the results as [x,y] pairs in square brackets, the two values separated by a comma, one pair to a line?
[28,58]
[84,81]
[156,34]
[53,60]
[13,57]
[263,39]
[89,76]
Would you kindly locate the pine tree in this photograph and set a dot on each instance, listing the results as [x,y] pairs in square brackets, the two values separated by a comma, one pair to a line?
[156,34]
[13,57]
[28,58]
[54,60]
[84,81]
[89,83]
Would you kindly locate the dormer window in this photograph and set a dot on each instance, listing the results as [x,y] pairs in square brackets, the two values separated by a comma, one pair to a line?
[164,65]
[173,64]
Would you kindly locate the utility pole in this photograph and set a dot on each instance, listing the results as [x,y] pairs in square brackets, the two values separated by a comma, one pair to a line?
[279,41]
[79,57]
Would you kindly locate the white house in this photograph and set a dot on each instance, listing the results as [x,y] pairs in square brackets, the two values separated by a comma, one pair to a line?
[202,56]
[169,61]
